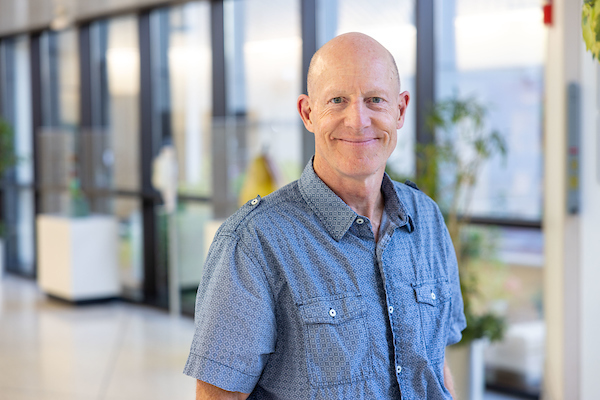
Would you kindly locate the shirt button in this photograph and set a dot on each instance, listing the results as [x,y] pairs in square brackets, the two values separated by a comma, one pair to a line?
[398,369]
[360,221]
[254,202]
[332,312]
[391,309]
[433,295]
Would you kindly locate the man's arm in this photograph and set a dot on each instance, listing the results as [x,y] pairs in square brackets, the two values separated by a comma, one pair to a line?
[448,381]
[206,391]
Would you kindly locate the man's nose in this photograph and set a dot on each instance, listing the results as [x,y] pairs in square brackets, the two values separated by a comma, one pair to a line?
[357,116]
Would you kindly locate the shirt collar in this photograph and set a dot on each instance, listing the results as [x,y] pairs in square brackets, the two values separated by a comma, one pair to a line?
[337,217]
[394,207]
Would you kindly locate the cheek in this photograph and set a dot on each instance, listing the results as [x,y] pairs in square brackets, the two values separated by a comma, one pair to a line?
[393,140]
[389,124]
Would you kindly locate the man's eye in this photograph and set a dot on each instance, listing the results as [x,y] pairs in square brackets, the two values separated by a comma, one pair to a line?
[376,100]
[336,100]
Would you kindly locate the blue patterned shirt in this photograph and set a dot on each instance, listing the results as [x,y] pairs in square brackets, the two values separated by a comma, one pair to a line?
[298,301]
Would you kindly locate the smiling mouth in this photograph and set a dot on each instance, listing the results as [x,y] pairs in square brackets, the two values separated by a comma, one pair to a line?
[359,142]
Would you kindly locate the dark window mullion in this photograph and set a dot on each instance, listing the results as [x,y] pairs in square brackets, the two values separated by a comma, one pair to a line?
[150,286]
[86,173]
[309,47]
[219,104]
[85,116]
[425,70]
[37,122]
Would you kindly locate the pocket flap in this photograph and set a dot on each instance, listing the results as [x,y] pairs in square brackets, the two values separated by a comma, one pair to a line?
[332,310]
[432,293]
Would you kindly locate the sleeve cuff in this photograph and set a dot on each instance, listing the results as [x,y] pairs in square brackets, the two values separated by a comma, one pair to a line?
[219,375]
[456,333]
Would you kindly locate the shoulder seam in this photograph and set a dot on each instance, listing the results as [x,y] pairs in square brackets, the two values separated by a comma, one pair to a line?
[250,214]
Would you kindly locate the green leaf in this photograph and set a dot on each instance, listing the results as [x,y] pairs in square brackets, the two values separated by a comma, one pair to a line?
[590,27]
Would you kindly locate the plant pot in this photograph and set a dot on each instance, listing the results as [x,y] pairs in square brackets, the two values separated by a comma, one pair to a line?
[467,366]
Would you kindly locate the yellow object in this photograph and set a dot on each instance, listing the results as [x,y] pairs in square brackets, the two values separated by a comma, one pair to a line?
[590,26]
[260,180]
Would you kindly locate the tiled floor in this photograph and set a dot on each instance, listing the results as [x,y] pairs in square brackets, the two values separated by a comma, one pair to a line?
[50,350]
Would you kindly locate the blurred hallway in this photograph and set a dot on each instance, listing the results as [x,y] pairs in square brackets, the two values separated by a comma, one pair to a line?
[50,350]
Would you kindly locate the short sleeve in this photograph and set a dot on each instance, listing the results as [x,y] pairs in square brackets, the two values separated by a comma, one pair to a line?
[458,320]
[235,319]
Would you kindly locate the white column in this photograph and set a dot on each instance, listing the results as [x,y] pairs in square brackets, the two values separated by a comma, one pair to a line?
[554,207]
[589,246]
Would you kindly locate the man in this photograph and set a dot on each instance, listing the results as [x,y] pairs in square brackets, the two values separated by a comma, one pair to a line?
[343,284]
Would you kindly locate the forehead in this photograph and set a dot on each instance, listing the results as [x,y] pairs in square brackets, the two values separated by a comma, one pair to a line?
[350,73]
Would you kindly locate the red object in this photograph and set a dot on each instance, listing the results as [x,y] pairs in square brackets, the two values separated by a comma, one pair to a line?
[548,14]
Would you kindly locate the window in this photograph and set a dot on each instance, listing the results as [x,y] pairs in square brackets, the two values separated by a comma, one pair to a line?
[494,51]
[184,98]
[190,82]
[18,192]
[57,136]
[122,101]
[112,142]
[263,48]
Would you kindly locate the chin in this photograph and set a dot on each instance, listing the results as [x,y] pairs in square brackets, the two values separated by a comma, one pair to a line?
[359,169]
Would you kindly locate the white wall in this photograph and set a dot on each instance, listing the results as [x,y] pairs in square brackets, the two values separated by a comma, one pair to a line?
[572,242]
[590,229]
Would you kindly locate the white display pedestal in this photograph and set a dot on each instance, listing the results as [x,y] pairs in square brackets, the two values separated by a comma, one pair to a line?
[77,257]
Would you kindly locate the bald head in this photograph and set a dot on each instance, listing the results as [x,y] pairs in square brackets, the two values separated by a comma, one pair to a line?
[351,47]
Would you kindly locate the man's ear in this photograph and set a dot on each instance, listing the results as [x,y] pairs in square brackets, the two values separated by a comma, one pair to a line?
[402,104]
[304,110]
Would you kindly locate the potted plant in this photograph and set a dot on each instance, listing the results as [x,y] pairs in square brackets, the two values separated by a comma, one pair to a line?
[462,145]
[8,159]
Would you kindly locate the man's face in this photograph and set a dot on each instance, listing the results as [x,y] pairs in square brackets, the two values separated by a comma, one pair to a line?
[355,110]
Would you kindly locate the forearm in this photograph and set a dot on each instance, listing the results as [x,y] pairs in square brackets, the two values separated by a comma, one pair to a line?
[206,391]
[448,381]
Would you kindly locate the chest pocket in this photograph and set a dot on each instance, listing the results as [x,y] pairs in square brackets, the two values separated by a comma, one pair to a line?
[336,339]
[434,299]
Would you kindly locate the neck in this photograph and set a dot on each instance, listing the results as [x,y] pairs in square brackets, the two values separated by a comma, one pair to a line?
[361,194]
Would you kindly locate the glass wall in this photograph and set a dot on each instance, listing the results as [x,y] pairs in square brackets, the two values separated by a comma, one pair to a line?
[57,136]
[494,52]
[122,102]
[190,81]
[263,48]
[59,58]
[128,211]
[184,98]
[113,140]
[392,23]
[18,192]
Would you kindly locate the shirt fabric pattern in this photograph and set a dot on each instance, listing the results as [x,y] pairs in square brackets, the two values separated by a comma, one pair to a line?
[297,301]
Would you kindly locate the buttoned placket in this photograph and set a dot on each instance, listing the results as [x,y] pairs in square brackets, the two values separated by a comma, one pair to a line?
[380,250]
